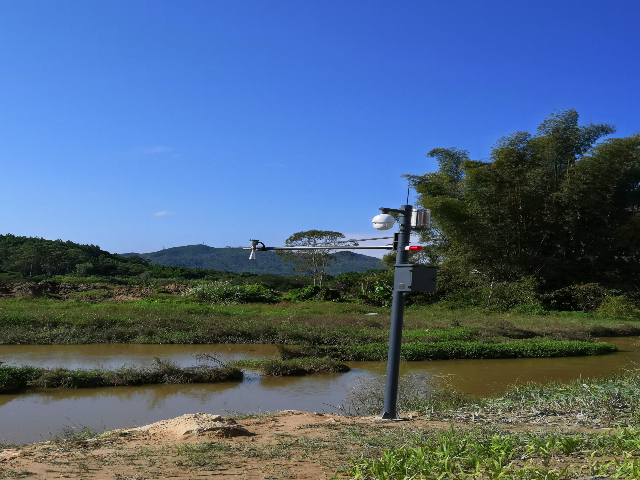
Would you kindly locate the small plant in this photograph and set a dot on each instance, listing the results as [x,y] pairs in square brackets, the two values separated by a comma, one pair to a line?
[415,392]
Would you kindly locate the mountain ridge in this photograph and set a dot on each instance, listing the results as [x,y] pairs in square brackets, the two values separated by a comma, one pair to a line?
[235,259]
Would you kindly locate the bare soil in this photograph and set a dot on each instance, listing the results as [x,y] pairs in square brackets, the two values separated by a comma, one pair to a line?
[288,444]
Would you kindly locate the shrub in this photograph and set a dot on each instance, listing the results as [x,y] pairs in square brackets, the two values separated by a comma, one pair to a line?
[619,306]
[312,292]
[223,293]
[587,297]
[376,289]
[16,378]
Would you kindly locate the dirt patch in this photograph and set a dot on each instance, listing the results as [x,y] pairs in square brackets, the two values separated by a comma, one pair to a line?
[189,425]
[289,444]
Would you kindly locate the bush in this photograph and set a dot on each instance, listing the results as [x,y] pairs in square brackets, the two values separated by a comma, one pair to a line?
[312,292]
[586,298]
[619,306]
[17,378]
[376,289]
[223,293]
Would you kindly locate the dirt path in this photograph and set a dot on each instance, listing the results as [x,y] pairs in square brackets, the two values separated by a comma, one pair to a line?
[283,445]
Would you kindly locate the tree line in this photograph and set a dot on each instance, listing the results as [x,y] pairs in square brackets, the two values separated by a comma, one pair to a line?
[550,221]
[559,209]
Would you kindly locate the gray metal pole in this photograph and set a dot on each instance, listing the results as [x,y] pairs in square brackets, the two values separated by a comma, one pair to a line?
[397,316]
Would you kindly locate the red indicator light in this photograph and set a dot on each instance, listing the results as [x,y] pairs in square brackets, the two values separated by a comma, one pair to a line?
[414,248]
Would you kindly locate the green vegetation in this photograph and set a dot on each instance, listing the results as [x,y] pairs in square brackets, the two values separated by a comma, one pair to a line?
[550,222]
[223,293]
[473,450]
[166,320]
[418,351]
[290,367]
[314,263]
[479,453]
[161,371]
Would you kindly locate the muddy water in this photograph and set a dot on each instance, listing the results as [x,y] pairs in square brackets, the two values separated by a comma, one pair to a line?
[36,415]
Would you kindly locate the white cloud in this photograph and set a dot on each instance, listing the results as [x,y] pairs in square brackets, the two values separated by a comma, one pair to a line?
[155,149]
[162,213]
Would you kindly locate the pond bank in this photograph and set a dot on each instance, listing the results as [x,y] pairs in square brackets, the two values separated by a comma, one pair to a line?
[557,431]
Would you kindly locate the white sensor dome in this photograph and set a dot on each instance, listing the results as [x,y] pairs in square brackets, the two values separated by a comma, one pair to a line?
[383,221]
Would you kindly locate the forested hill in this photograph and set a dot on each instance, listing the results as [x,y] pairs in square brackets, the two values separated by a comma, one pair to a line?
[237,260]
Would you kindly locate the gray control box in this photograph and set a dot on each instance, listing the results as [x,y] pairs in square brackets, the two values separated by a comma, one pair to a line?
[415,278]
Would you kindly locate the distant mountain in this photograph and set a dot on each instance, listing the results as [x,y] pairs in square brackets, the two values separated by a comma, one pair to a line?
[237,260]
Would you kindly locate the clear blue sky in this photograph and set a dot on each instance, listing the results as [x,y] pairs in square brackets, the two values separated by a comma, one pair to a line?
[135,125]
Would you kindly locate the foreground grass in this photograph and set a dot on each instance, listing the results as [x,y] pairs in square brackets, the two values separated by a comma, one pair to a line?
[520,449]
[483,453]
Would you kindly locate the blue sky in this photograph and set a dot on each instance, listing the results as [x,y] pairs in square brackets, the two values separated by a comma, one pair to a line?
[148,124]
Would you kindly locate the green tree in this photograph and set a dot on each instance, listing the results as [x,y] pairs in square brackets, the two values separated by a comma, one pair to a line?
[312,262]
[555,205]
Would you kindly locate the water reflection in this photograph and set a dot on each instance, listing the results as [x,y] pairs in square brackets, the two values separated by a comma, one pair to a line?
[35,415]
[114,355]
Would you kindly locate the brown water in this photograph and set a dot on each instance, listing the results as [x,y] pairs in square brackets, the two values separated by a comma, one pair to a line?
[36,415]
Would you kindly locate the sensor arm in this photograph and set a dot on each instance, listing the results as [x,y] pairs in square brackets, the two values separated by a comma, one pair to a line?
[255,248]
[337,247]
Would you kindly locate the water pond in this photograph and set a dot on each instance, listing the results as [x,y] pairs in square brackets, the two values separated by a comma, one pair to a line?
[36,415]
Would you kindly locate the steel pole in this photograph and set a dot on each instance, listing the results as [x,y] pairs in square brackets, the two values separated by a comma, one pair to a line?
[397,317]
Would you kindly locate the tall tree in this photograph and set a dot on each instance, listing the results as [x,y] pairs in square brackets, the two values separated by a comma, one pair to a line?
[312,262]
[555,205]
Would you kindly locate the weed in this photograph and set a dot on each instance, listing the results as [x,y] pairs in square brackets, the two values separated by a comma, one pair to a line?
[298,366]
[202,453]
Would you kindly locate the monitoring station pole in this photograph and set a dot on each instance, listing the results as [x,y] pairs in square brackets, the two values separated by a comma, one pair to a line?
[397,314]
[407,278]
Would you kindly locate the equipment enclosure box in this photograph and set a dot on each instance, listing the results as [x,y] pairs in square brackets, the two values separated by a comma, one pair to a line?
[415,278]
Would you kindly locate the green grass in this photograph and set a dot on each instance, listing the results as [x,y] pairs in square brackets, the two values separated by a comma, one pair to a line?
[17,378]
[447,350]
[341,331]
[514,450]
[298,366]
[481,453]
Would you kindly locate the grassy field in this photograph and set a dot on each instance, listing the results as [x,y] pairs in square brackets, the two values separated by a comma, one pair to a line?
[46,321]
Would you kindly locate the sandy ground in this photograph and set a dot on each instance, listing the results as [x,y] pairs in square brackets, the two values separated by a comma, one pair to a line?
[191,446]
[287,444]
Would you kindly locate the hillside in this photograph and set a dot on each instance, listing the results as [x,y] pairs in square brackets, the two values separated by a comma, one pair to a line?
[237,260]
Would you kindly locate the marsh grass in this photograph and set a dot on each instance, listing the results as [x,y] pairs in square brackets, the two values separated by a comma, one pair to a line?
[481,452]
[160,371]
[447,350]
[298,366]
